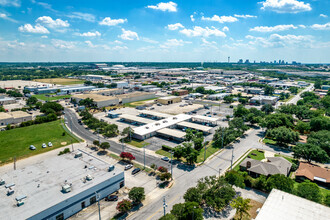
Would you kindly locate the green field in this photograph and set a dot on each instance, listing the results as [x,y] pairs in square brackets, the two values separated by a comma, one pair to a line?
[45,98]
[138,103]
[163,153]
[16,142]
[61,81]
[136,143]
[269,141]
[210,150]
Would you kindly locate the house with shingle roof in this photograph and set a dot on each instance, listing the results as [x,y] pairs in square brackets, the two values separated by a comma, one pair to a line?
[272,165]
[313,173]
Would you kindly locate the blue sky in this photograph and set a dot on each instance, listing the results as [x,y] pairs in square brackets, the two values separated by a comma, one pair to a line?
[156,30]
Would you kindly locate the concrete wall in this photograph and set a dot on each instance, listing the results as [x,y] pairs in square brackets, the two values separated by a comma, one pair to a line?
[73,205]
[138,98]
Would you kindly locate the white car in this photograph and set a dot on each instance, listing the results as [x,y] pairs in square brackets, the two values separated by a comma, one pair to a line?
[128,166]
[44,145]
[32,147]
[50,144]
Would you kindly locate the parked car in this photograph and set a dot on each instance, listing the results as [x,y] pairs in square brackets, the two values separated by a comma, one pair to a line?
[32,147]
[165,159]
[50,144]
[135,171]
[214,113]
[208,112]
[110,198]
[44,145]
[128,166]
[159,104]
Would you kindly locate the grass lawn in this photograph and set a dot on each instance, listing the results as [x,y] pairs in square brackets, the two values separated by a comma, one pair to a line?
[45,98]
[258,156]
[135,104]
[290,159]
[324,192]
[269,141]
[16,142]
[209,151]
[137,143]
[61,81]
[164,153]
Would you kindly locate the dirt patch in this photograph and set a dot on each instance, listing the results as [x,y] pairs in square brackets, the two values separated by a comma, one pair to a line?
[61,81]
[63,143]
[255,205]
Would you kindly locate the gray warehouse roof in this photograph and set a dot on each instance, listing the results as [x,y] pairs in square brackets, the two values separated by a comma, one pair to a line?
[195,126]
[172,132]
[41,183]
[282,205]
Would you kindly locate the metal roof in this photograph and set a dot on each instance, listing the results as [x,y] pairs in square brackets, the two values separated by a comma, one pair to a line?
[205,118]
[172,132]
[157,114]
[195,126]
[136,119]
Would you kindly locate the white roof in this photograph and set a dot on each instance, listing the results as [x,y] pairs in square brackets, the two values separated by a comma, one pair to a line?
[157,114]
[204,118]
[135,118]
[164,123]
[169,97]
[172,132]
[282,205]
[195,126]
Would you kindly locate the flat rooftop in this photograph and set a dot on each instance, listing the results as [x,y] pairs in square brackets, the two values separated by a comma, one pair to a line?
[136,118]
[157,114]
[205,118]
[282,205]
[42,182]
[164,123]
[168,97]
[4,115]
[95,97]
[195,126]
[172,132]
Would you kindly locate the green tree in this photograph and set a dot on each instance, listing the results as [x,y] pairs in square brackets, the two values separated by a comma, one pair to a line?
[168,216]
[283,135]
[238,123]
[310,152]
[321,139]
[327,200]
[293,90]
[51,107]
[241,111]
[2,109]
[128,131]
[278,120]
[96,143]
[242,207]
[105,145]
[228,99]
[234,178]
[187,210]
[320,123]
[189,135]
[193,195]
[302,127]
[309,190]
[166,176]
[124,206]
[137,195]
[31,100]
[178,152]
[269,90]
[87,102]
[189,153]
[267,108]
[281,182]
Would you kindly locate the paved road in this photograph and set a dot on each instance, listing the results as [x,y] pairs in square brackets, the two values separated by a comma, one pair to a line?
[186,178]
[115,147]
[296,98]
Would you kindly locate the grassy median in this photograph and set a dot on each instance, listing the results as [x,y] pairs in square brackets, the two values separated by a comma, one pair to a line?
[16,142]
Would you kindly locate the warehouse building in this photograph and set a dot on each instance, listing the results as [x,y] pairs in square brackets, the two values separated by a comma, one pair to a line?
[252,90]
[109,92]
[153,115]
[180,92]
[7,100]
[99,100]
[58,187]
[135,97]
[172,134]
[15,117]
[185,125]
[264,100]
[134,119]
[169,100]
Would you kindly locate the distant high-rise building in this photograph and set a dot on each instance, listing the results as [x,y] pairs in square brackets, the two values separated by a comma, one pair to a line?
[240,61]
[274,61]
[247,61]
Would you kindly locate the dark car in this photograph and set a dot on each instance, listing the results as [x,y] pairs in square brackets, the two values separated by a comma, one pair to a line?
[135,171]
[111,198]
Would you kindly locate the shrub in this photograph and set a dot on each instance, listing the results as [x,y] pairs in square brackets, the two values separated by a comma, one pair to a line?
[162,169]
[65,151]
[127,155]
[124,206]
[234,178]
[167,148]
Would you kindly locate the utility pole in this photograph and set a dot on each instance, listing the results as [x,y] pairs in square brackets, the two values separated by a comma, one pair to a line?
[219,171]
[15,163]
[71,136]
[171,166]
[164,205]
[98,204]
[144,157]
[232,157]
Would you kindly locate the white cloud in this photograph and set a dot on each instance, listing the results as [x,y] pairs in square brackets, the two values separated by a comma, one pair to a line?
[169,6]
[192,18]
[276,40]
[120,48]
[225,28]
[203,32]
[37,29]
[128,35]
[209,44]
[15,44]
[221,19]
[44,36]
[301,26]
[6,17]
[276,28]
[90,34]
[63,44]
[148,40]
[174,27]
[89,43]
[112,22]
[323,15]
[286,6]
[321,26]
[118,42]
[15,3]
[245,16]
[82,16]
[49,22]
[174,43]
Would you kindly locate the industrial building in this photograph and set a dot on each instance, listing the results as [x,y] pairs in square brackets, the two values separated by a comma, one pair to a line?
[7,100]
[283,205]
[99,100]
[264,100]
[180,92]
[66,89]
[252,90]
[169,100]
[58,187]
[14,117]
[135,97]
[218,96]
[109,92]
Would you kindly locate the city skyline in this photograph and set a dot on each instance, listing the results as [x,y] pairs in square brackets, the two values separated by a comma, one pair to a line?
[164,31]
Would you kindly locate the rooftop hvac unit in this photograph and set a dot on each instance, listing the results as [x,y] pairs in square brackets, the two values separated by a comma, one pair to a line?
[89,177]
[10,185]
[2,182]
[10,192]
[66,188]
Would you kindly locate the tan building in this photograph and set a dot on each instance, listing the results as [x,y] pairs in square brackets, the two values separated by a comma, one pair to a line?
[169,100]
[180,92]
[99,100]
[135,97]
[109,92]
[15,117]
